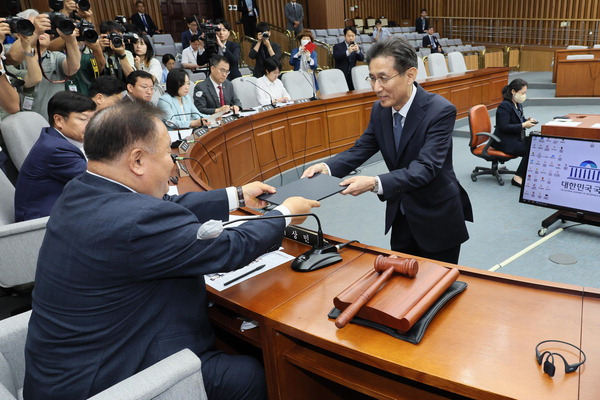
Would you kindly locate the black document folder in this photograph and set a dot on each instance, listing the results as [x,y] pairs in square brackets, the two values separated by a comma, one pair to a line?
[317,188]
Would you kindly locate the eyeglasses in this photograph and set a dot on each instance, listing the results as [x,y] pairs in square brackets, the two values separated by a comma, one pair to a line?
[223,71]
[383,80]
[146,88]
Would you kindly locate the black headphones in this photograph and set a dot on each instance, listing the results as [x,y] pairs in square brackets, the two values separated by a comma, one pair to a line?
[548,365]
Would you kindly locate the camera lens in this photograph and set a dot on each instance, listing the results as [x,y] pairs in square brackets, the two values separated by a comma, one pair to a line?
[90,35]
[84,5]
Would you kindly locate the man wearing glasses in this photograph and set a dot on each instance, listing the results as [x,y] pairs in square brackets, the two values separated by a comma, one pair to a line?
[216,94]
[140,86]
[426,206]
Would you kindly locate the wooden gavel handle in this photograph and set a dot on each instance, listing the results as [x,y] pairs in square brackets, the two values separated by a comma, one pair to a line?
[350,311]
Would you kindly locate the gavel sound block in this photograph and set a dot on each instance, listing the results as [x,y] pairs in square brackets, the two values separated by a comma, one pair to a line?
[396,300]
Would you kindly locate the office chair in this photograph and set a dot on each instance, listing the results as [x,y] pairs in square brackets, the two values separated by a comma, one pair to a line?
[481,144]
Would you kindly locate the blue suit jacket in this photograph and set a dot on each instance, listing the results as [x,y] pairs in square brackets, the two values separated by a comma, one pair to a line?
[119,283]
[295,62]
[421,176]
[50,164]
[170,105]
[346,63]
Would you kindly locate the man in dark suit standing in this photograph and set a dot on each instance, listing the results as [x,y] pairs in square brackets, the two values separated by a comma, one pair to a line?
[142,20]
[347,53]
[55,158]
[216,93]
[432,42]
[422,23]
[264,49]
[119,282]
[249,10]
[294,15]
[426,206]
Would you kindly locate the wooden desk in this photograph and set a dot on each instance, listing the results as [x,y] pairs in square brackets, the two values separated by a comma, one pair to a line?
[480,345]
[584,130]
[578,78]
[265,144]
[561,55]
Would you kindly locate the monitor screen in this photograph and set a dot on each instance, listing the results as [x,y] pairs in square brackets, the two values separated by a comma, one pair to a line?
[563,174]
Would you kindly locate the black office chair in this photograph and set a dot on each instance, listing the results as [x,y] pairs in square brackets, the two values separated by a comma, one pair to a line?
[481,144]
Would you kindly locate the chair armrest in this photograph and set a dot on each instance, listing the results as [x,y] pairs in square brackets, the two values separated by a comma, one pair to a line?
[490,135]
[176,377]
[19,247]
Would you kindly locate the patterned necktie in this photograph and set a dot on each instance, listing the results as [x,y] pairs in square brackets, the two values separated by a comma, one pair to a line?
[221,95]
[144,21]
[397,129]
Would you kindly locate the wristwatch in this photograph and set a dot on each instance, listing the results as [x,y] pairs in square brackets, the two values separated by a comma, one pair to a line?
[121,56]
[376,185]
[240,193]
[31,53]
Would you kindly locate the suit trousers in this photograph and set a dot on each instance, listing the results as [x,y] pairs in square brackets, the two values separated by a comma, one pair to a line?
[403,241]
[249,23]
[228,377]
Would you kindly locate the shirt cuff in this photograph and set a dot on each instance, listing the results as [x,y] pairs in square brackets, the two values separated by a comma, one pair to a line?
[347,53]
[312,62]
[284,211]
[232,197]
[328,169]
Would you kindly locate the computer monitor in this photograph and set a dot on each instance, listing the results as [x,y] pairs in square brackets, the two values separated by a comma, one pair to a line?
[563,174]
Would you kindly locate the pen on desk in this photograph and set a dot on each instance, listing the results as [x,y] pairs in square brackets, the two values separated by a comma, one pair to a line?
[237,278]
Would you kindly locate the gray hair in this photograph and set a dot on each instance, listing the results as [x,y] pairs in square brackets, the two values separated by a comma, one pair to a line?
[404,55]
[28,13]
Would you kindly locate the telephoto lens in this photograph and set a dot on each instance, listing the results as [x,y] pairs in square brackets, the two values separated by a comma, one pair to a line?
[20,25]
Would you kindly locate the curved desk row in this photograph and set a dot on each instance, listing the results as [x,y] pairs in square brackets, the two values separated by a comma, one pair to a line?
[260,146]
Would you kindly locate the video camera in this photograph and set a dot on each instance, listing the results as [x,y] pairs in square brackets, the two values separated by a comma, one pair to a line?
[209,35]
[20,25]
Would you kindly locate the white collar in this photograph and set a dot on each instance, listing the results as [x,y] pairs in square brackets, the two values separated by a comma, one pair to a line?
[216,85]
[110,180]
[404,110]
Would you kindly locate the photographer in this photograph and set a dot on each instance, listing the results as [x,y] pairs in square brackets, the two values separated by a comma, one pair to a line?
[119,62]
[230,49]
[56,66]
[264,49]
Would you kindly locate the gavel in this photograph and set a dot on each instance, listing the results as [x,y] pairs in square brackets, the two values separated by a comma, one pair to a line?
[386,266]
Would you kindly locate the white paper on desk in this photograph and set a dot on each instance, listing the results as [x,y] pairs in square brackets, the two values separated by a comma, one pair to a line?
[270,260]
[247,113]
[562,123]
[595,126]
[212,120]
[179,134]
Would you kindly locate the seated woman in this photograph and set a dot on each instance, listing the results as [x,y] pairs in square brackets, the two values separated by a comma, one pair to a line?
[176,104]
[270,89]
[144,58]
[511,124]
[168,61]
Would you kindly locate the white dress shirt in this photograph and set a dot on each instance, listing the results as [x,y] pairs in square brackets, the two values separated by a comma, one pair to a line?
[275,89]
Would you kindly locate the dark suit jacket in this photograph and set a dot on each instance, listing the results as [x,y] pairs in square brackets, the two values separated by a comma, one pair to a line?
[291,16]
[419,25]
[137,21]
[421,177]
[119,283]
[427,43]
[243,8]
[50,164]
[346,63]
[185,38]
[261,55]
[208,101]
[509,129]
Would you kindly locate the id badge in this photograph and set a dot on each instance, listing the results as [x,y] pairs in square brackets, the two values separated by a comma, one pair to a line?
[72,88]
[27,103]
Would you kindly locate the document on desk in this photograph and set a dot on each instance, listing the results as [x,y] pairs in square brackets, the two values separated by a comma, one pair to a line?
[212,120]
[563,123]
[179,134]
[595,126]
[224,280]
[317,188]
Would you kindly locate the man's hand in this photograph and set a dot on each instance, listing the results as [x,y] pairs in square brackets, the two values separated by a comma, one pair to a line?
[320,168]
[4,30]
[68,7]
[358,185]
[117,50]
[299,205]
[24,42]
[87,15]
[236,109]
[72,38]
[254,189]
[225,108]
[296,23]
[42,24]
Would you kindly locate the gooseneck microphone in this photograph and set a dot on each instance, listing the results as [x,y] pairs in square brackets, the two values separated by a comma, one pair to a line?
[179,158]
[273,102]
[321,255]
[312,85]
[171,124]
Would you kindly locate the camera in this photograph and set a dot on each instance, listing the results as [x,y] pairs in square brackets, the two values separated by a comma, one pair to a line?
[265,35]
[117,39]
[84,5]
[20,25]
[209,32]
[87,32]
[60,21]
[57,5]
[120,19]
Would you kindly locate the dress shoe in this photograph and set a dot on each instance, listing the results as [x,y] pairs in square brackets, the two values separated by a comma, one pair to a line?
[515,183]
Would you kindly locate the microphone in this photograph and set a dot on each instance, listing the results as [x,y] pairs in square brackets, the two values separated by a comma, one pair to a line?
[320,256]
[171,124]
[179,158]
[273,103]
[312,85]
